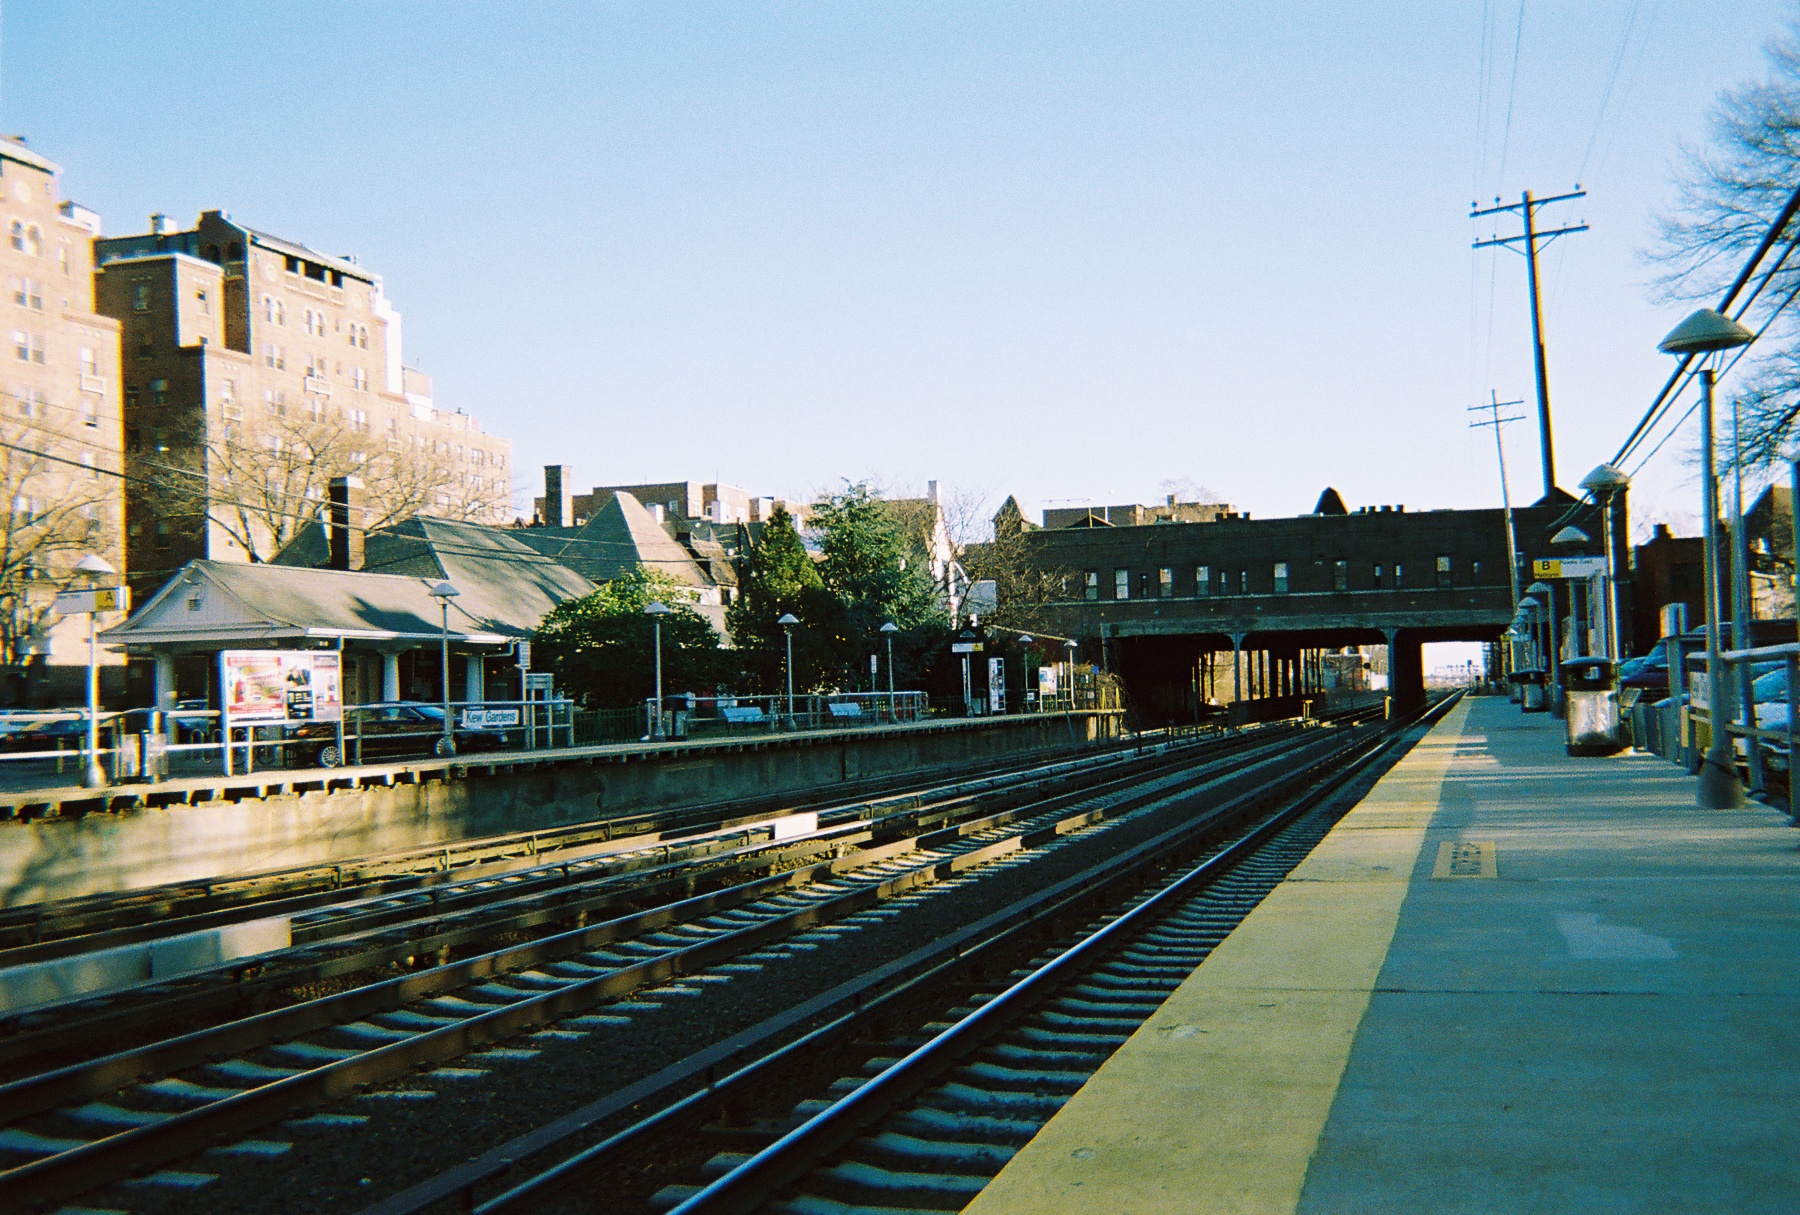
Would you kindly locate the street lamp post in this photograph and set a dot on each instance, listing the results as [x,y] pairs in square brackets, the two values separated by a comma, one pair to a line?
[1025,642]
[443,592]
[787,622]
[92,775]
[1703,333]
[1604,483]
[656,611]
[1571,538]
[888,630]
[1070,643]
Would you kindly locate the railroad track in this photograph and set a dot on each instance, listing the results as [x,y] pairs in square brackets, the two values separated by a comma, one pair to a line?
[922,1120]
[80,1126]
[353,939]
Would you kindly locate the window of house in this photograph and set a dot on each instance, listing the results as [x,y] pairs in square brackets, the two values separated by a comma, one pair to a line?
[159,441]
[359,379]
[28,293]
[34,240]
[85,355]
[140,297]
[18,235]
[1340,575]
[1378,575]
[1399,575]
[1475,571]
[227,391]
[1203,580]
[1093,584]
[204,304]
[291,264]
[164,537]
[131,396]
[1165,582]
[274,356]
[1243,582]
[1443,571]
[133,440]
[274,311]
[275,402]
[1121,584]
[159,392]
[1281,578]
[28,347]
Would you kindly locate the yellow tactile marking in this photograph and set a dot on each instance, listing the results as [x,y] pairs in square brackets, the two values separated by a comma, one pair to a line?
[1215,1105]
[1466,859]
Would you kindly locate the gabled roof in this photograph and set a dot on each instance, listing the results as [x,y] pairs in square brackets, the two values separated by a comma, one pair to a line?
[619,538]
[500,579]
[210,603]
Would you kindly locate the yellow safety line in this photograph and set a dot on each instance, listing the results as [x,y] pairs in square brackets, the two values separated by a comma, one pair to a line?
[1216,1104]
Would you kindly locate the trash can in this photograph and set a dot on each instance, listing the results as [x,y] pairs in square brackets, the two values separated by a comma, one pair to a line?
[1591,692]
[1530,682]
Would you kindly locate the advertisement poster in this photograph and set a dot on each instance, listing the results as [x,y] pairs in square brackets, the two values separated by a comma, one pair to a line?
[996,685]
[282,687]
[1046,683]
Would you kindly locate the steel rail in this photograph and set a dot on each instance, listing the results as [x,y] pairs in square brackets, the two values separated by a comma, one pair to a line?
[746,1187]
[232,986]
[92,1163]
[953,950]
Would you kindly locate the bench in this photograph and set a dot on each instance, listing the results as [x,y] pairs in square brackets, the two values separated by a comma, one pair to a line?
[746,716]
[845,710]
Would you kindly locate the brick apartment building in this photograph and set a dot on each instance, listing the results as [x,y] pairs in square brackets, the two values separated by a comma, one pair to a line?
[60,419]
[256,369]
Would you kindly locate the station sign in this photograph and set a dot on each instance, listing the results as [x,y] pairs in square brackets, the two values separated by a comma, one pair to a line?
[102,599]
[1568,567]
[489,719]
[281,687]
[965,647]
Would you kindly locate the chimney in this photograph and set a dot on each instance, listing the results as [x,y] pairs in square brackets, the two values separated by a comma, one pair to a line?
[557,512]
[158,223]
[931,490]
[347,522]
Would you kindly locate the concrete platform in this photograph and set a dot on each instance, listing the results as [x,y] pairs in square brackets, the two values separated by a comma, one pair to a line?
[1509,981]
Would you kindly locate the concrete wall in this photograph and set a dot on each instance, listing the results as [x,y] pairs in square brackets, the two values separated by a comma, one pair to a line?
[53,858]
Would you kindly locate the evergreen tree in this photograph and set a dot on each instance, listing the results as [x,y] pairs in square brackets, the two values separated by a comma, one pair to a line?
[602,646]
[780,577]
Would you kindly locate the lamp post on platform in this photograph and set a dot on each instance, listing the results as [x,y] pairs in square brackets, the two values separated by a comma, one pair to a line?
[887,631]
[787,622]
[1703,333]
[92,775]
[443,592]
[656,611]
[1604,483]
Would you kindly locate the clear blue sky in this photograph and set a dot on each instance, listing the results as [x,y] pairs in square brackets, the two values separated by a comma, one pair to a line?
[1066,251]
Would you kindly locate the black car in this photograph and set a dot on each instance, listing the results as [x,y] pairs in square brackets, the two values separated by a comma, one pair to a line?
[387,732]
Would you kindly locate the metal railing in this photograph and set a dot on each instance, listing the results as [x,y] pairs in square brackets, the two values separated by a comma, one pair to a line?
[1763,748]
[689,716]
[48,748]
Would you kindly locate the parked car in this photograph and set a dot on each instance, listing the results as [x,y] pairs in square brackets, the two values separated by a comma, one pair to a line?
[43,732]
[1770,692]
[387,731]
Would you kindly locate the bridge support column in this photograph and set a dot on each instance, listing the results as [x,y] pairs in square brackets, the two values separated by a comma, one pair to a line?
[1406,669]
[1237,667]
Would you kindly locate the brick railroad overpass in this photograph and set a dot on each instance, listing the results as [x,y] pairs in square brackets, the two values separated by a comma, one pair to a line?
[1166,604]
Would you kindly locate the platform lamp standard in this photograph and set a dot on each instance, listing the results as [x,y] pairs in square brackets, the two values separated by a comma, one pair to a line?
[1570,539]
[443,592]
[888,630]
[1604,483]
[656,611]
[1026,640]
[787,622]
[92,776]
[1707,332]
[1070,643]
[1543,599]
[1526,622]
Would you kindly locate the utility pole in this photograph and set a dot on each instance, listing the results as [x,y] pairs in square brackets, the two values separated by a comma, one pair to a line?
[1493,408]
[1533,240]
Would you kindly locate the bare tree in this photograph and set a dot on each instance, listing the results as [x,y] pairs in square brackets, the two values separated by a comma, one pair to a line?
[1729,194]
[262,484]
[58,505]
[995,545]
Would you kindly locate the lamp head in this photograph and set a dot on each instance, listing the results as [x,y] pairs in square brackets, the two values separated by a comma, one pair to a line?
[444,591]
[890,628]
[1026,639]
[1704,332]
[654,608]
[1605,480]
[95,564]
[1568,537]
[1539,588]
[788,620]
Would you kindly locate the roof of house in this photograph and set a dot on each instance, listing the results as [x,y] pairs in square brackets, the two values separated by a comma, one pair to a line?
[621,536]
[220,602]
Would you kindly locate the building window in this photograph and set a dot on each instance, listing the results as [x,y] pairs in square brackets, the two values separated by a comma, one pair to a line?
[1093,584]
[86,357]
[1443,573]
[1203,580]
[18,235]
[359,379]
[1378,575]
[28,347]
[1399,575]
[164,535]
[1165,582]
[1121,584]
[1281,583]
[227,391]
[1475,572]
[140,297]
[28,293]
[1243,582]
[1340,576]
[159,392]
[274,311]
[26,238]
[274,356]
[204,304]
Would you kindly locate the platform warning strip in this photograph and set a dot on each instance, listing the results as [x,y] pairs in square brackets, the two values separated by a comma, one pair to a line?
[1217,1103]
